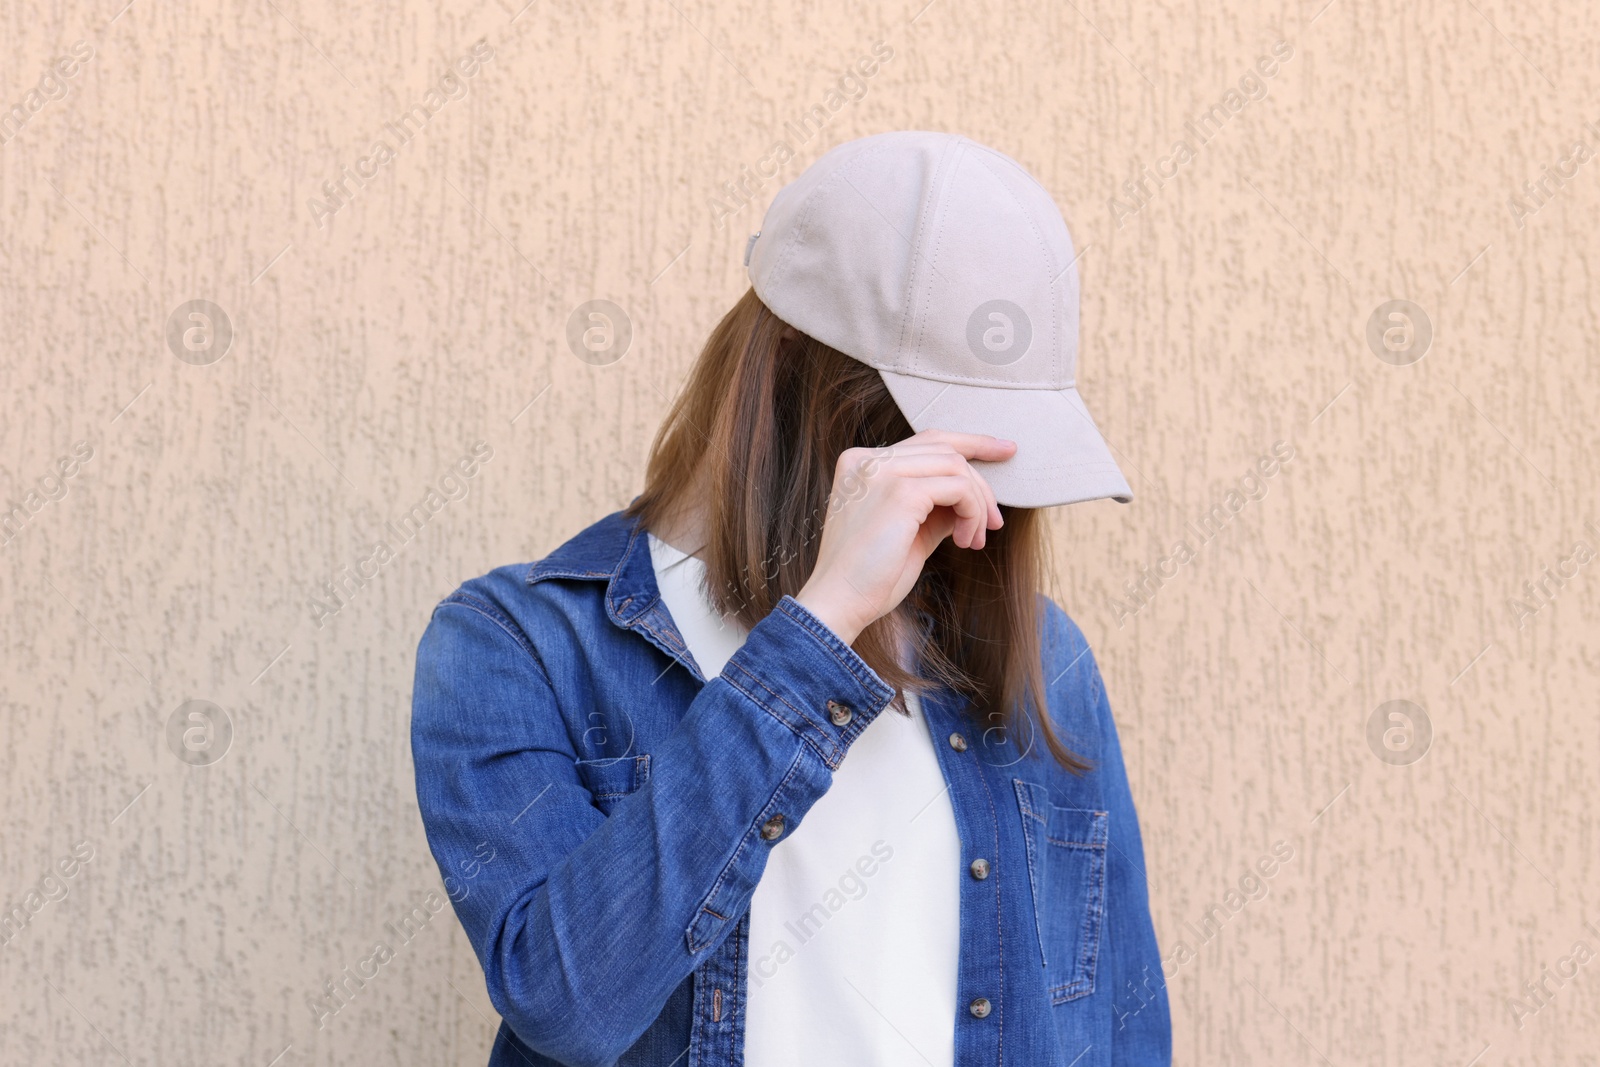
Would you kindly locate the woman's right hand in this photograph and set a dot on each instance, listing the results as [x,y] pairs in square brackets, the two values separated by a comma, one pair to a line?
[888,510]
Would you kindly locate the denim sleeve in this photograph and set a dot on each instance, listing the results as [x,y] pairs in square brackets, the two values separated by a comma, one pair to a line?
[585,924]
[1142,1028]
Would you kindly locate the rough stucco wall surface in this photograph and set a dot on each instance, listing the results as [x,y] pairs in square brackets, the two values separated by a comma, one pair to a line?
[1429,541]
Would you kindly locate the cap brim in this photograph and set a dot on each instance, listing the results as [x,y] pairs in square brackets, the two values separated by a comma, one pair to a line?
[1060,459]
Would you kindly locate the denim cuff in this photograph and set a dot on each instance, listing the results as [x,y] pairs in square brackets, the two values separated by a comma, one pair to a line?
[793,666]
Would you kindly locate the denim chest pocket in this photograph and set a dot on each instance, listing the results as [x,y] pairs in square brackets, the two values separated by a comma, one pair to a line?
[1067,873]
[609,780]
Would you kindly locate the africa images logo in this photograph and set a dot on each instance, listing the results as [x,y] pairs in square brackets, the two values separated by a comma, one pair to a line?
[199,732]
[998,332]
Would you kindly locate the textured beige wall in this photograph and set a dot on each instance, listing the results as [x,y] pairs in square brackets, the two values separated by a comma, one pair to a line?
[378,336]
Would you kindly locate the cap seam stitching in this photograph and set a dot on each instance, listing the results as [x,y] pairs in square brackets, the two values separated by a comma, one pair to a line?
[911,314]
[985,383]
[803,219]
[935,207]
[1055,348]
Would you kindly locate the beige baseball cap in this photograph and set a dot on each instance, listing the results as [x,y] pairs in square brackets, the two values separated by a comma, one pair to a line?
[947,267]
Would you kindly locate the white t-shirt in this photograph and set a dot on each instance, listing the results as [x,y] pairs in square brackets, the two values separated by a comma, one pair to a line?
[855,925]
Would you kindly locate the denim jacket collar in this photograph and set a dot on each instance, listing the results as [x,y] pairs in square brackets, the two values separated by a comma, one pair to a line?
[595,552]
[616,551]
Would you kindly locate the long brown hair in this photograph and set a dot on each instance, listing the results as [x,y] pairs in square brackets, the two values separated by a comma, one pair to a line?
[767,410]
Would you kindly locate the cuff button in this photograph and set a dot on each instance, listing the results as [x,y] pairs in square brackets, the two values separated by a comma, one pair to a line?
[839,714]
[772,829]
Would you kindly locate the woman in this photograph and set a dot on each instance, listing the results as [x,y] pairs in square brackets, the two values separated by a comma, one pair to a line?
[790,762]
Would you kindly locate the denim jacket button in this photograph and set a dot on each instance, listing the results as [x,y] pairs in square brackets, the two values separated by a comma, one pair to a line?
[772,829]
[958,742]
[839,714]
[980,869]
[979,1008]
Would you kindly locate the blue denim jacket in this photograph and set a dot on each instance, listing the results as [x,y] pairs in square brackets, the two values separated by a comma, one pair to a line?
[596,809]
